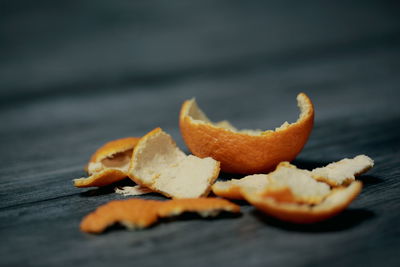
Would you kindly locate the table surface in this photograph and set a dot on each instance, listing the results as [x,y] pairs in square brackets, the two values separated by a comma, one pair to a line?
[76,74]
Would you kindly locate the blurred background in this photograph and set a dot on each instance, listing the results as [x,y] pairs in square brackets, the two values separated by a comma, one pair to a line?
[75,74]
[96,70]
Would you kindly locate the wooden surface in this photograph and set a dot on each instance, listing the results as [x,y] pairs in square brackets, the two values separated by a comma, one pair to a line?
[75,74]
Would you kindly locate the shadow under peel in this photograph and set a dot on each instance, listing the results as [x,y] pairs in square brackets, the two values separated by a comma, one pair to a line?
[343,221]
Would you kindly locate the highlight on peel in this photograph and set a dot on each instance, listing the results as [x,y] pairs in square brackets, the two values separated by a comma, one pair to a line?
[109,164]
[336,202]
[157,163]
[140,213]
[344,171]
[136,190]
[245,151]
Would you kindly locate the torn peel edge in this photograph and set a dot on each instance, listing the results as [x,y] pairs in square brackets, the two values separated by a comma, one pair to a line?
[134,213]
[336,202]
[191,111]
[151,187]
[206,207]
[157,180]
[344,171]
[138,213]
[113,147]
[231,192]
[102,178]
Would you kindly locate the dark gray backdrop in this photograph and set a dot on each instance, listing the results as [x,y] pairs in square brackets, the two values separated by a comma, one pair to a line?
[75,74]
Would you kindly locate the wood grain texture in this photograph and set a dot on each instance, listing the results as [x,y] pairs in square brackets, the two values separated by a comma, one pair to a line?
[75,74]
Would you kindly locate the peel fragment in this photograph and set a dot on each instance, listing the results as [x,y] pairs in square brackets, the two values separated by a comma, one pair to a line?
[102,178]
[140,213]
[336,202]
[109,164]
[338,173]
[157,163]
[305,189]
[206,207]
[132,213]
[113,147]
[231,189]
[344,171]
[245,151]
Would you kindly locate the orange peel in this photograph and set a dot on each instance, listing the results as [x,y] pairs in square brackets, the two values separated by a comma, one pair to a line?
[232,188]
[102,178]
[157,163]
[109,164]
[305,189]
[206,207]
[111,151]
[140,213]
[132,213]
[344,171]
[245,151]
[336,202]
[338,173]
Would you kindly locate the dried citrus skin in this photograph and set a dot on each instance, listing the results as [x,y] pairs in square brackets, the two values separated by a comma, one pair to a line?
[102,178]
[113,147]
[245,153]
[133,213]
[157,163]
[336,202]
[140,213]
[109,163]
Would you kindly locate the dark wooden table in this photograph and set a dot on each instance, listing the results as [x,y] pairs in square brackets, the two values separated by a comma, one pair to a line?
[75,74]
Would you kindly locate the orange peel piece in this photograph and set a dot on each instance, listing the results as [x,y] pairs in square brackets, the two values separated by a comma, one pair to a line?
[334,174]
[305,189]
[344,171]
[102,178]
[112,152]
[206,207]
[232,188]
[109,164]
[157,163]
[140,213]
[245,151]
[132,213]
[336,202]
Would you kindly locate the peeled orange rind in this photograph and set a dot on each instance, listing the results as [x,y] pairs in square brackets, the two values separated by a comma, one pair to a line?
[206,207]
[102,178]
[157,163]
[109,164]
[305,189]
[112,155]
[140,213]
[232,188]
[338,173]
[343,171]
[336,202]
[245,151]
